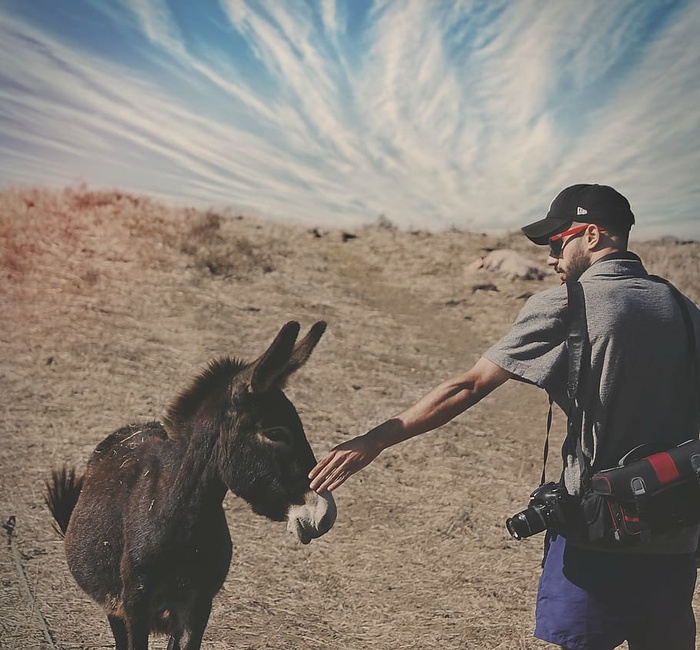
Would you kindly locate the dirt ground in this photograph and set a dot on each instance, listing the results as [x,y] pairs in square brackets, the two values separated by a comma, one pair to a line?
[112,302]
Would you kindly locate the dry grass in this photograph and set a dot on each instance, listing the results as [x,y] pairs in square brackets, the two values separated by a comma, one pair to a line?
[111,302]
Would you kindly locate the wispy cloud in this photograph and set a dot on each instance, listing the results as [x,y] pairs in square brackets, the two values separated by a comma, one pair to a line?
[434,114]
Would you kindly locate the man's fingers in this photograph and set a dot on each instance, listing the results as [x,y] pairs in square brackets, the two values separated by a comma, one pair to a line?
[319,474]
[341,463]
[322,483]
[322,464]
[333,480]
[330,472]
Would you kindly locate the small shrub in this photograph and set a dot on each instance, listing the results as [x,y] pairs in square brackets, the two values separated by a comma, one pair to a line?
[206,228]
[235,257]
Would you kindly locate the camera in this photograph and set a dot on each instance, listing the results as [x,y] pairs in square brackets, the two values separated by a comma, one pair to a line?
[550,507]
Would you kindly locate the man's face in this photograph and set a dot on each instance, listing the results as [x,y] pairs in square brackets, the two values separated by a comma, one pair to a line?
[572,257]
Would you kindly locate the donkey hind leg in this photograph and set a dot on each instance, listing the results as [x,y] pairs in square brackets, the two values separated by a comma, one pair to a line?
[121,639]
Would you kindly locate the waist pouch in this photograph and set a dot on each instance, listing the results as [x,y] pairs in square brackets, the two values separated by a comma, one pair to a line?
[644,496]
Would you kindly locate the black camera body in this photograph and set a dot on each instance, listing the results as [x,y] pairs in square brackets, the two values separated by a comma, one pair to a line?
[550,506]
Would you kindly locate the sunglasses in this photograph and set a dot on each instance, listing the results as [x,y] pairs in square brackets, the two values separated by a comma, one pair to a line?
[557,243]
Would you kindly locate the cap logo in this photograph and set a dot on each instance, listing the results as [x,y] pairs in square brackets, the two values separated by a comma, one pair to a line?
[580,211]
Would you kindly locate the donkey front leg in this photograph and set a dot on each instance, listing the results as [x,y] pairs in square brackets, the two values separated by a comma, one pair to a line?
[137,629]
[121,639]
[137,624]
[195,621]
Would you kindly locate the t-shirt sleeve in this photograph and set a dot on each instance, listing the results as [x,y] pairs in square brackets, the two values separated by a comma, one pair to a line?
[534,349]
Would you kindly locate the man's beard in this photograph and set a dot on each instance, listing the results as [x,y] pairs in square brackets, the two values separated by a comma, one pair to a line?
[576,266]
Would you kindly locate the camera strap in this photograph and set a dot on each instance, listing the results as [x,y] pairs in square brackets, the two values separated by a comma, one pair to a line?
[545,451]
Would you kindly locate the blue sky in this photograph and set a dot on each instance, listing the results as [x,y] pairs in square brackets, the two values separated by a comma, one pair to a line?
[434,113]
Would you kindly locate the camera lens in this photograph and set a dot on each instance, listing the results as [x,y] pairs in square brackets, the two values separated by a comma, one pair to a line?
[526,523]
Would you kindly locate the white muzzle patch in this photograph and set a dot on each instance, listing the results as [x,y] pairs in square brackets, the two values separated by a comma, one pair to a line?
[313,518]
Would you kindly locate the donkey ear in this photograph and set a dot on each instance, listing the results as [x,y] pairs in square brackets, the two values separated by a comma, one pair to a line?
[303,349]
[270,368]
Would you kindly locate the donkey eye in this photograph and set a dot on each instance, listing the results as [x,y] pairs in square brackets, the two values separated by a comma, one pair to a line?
[279,435]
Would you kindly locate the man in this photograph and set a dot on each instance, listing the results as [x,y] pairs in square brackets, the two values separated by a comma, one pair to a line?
[640,389]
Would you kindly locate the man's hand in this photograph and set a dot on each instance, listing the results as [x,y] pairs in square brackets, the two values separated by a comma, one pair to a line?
[342,462]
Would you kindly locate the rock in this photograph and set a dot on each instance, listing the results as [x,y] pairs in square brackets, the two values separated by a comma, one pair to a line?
[508,263]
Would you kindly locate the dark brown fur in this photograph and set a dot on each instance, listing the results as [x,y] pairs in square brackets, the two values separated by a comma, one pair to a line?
[145,531]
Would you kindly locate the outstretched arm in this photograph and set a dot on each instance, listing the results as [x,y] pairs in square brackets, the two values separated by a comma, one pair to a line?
[442,404]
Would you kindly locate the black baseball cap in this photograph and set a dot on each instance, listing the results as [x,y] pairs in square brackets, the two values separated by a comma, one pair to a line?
[585,203]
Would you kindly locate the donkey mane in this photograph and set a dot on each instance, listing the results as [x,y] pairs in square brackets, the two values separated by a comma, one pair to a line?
[215,379]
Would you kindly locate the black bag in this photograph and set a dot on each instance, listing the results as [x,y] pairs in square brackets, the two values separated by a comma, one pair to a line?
[656,493]
[650,491]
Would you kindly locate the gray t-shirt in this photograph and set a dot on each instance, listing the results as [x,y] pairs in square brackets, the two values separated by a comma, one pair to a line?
[640,387]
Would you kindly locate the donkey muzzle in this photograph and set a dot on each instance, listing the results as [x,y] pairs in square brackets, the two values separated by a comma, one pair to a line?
[313,518]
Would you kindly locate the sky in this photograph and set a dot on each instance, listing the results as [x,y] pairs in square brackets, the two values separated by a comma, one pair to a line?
[431,114]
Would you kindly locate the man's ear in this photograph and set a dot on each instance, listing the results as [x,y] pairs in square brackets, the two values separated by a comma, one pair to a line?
[594,236]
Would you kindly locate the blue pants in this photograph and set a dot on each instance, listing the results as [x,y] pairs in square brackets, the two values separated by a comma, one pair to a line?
[595,600]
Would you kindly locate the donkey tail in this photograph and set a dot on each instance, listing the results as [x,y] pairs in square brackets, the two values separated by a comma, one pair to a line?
[61,495]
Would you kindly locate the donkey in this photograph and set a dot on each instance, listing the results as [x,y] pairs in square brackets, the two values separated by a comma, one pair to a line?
[145,531]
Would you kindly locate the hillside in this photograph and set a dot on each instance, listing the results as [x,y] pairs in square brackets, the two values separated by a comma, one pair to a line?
[111,302]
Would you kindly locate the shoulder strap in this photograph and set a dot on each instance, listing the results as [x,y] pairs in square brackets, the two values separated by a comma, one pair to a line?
[576,339]
[577,346]
[576,336]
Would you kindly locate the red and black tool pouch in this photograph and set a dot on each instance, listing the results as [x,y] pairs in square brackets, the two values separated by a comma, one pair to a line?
[644,496]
